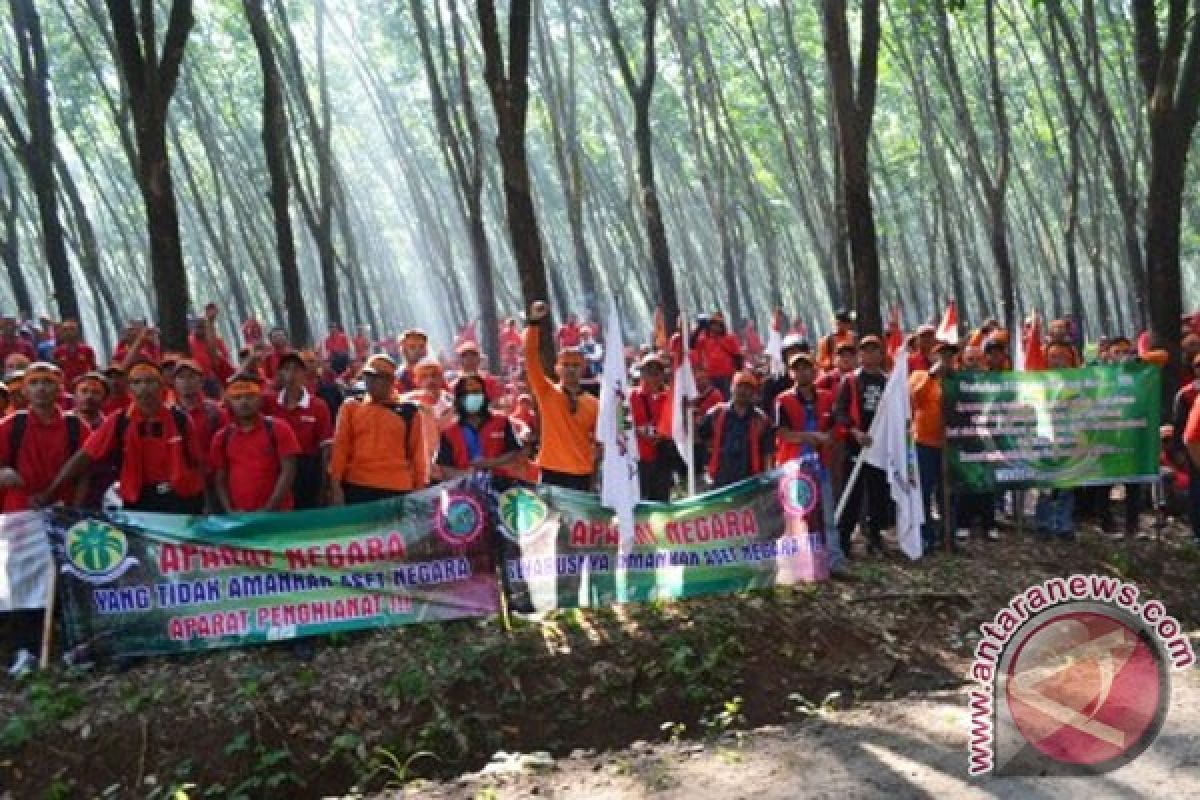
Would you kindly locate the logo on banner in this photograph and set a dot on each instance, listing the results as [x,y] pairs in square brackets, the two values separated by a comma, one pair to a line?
[96,552]
[523,512]
[459,519]
[1075,678]
[798,492]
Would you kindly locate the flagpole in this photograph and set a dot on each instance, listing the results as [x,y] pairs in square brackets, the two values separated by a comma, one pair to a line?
[841,506]
[691,444]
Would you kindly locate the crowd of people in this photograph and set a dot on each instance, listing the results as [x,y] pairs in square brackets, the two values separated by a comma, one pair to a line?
[277,427]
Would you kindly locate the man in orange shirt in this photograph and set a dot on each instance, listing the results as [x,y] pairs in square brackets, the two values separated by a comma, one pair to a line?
[254,456]
[378,444]
[843,333]
[568,415]
[929,432]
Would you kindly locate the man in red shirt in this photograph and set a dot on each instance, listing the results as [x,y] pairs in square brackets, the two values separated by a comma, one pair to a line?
[362,342]
[161,467]
[118,397]
[414,346]
[91,390]
[656,462]
[207,416]
[311,422]
[719,351]
[139,342]
[254,457]
[36,443]
[280,347]
[921,359]
[336,347]
[470,361]
[73,357]
[252,333]
[568,332]
[11,343]
[209,353]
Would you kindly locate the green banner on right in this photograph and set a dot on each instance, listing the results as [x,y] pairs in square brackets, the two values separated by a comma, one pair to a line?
[1053,429]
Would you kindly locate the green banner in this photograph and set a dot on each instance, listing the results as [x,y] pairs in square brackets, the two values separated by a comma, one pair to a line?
[1053,429]
[137,584]
[559,548]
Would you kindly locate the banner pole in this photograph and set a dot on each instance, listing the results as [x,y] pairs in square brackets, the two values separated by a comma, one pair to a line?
[48,618]
[691,445]
[841,506]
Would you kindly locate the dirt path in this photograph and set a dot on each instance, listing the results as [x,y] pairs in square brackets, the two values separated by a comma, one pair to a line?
[912,747]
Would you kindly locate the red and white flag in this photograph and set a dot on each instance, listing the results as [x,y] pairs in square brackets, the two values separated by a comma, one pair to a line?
[948,330]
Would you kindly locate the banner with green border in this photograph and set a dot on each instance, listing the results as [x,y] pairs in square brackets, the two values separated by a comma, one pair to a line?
[1052,429]
[138,584]
[560,548]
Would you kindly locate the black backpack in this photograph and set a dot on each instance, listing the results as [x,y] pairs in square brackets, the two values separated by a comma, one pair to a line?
[181,424]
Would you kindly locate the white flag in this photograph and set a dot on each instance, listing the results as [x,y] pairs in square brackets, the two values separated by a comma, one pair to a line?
[775,349]
[614,429]
[683,389]
[893,451]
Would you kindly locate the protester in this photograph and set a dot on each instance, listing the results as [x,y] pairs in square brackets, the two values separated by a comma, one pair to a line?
[378,449]
[156,449]
[37,442]
[739,435]
[592,351]
[414,347]
[921,359]
[854,410]
[139,342]
[776,385]
[803,415]
[11,343]
[209,353]
[336,347]
[470,363]
[118,398]
[71,355]
[207,416]
[480,438]
[279,347]
[719,351]
[252,333]
[843,333]
[929,433]
[309,418]
[567,454]
[657,459]
[254,456]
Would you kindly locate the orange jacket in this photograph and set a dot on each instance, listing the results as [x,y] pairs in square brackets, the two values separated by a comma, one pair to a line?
[375,446]
[568,440]
[929,428]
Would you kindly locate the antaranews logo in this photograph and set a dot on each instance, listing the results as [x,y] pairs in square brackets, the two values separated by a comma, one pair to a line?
[1074,679]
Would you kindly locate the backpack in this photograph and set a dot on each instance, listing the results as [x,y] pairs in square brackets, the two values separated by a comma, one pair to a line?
[21,421]
[181,424]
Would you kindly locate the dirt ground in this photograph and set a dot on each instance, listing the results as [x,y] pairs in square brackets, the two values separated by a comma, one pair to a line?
[913,747]
[859,678]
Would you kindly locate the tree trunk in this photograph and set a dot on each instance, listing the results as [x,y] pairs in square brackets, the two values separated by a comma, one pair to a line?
[510,100]
[275,148]
[1170,76]
[38,156]
[853,112]
[10,244]
[150,81]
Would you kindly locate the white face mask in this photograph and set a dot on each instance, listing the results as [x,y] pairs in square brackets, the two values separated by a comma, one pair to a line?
[473,403]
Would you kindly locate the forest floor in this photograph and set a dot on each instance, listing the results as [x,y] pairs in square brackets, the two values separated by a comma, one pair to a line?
[608,693]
